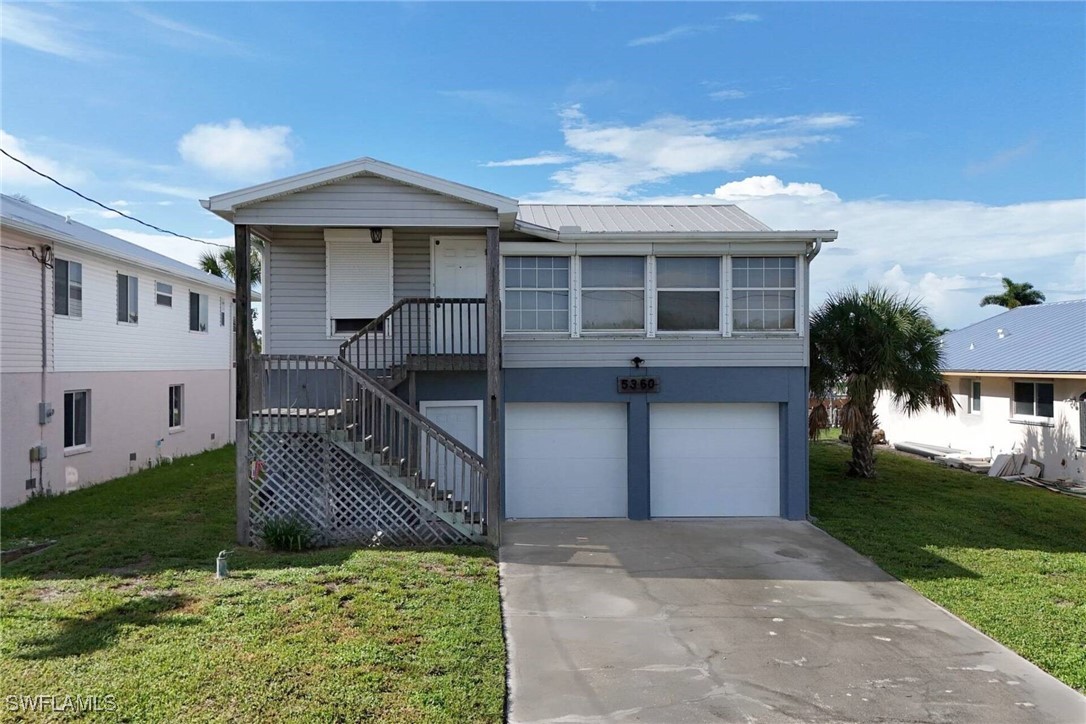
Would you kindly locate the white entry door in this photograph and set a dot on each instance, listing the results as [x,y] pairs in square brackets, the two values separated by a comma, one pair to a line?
[459,271]
[714,459]
[463,419]
[565,460]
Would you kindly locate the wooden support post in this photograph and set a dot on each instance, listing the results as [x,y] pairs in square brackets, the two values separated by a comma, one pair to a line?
[243,322]
[494,392]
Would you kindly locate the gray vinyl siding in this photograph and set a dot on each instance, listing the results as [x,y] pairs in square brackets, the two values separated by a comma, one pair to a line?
[366,201]
[295,301]
[659,352]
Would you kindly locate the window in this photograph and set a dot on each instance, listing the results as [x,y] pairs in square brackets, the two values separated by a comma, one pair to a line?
[971,392]
[127,299]
[612,293]
[222,312]
[177,406]
[1033,399]
[163,294]
[763,293]
[76,418]
[688,294]
[349,325]
[197,312]
[537,294]
[1082,421]
[67,288]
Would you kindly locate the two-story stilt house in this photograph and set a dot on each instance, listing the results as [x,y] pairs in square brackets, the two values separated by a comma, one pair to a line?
[439,358]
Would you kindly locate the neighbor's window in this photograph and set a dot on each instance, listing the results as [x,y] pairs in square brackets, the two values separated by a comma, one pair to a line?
[76,418]
[197,312]
[688,294]
[127,299]
[972,397]
[222,312]
[177,406]
[163,294]
[612,293]
[67,288]
[1034,399]
[537,294]
[763,293]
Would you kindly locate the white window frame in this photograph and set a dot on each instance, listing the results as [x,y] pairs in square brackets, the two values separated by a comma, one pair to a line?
[1016,417]
[75,447]
[69,285]
[970,384]
[202,304]
[645,288]
[796,290]
[180,411]
[132,299]
[568,290]
[721,290]
[167,294]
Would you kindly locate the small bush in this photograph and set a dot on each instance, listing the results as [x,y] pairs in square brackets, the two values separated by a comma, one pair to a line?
[287,533]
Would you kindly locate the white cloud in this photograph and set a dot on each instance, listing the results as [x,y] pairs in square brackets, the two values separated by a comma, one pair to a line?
[177,28]
[744,18]
[234,150]
[614,159]
[672,34]
[42,32]
[542,159]
[754,187]
[727,94]
[182,192]
[15,176]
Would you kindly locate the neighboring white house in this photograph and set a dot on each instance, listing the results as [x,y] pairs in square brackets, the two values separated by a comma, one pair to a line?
[1020,382]
[112,357]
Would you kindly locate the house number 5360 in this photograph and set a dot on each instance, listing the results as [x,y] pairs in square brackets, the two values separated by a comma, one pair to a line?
[638,384]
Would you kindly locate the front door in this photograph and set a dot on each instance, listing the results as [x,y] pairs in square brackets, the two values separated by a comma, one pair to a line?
[459,272]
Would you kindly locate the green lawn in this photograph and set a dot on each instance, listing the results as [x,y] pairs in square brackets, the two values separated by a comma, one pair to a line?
[125,604]
[1008,559]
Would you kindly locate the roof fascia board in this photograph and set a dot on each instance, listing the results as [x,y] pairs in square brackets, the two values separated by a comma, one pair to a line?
[1017,373]
[676,236]
[319,177]
[55,237]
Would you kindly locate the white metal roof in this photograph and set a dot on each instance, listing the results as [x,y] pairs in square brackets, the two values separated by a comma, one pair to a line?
[640,218]
[32,219]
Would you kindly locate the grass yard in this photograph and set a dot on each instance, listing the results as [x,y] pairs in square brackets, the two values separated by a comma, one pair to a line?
[1008,559]
[126,604]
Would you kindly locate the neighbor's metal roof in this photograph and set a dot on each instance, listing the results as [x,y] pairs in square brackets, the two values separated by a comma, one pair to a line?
[645,218]
[33,218]
[1037,338]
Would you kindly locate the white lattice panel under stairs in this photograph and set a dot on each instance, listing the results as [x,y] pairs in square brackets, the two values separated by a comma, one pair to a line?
[306,475]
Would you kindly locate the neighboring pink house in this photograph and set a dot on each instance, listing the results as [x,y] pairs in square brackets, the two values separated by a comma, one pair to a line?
[112,357]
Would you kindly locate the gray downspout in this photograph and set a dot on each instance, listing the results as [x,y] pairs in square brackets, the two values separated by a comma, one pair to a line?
[44,261]
[809,256]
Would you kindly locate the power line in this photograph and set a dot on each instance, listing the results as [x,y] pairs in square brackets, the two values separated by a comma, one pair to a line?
[109,208]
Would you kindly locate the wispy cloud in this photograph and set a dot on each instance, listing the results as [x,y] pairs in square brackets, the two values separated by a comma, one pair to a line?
[43,32]
[1001,159]
[672,34]
[744,17]
[177,28]
[616,159]
[16,177]
[727,94]
[542,159]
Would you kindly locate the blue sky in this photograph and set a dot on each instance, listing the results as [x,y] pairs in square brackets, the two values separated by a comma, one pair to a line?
[946,143]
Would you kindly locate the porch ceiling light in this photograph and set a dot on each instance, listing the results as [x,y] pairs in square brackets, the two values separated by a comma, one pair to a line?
[375,235]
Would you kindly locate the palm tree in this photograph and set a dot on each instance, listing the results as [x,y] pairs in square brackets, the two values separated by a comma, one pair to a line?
[1014,295]
[874,340]
[222,263]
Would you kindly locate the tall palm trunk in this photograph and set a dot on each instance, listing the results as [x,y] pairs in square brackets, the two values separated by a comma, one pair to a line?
[862,464]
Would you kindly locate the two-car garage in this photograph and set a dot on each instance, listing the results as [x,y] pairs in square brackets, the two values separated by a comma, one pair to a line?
[572,460]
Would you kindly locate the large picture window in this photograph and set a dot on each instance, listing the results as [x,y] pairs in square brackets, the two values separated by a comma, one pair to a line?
[128,308]
[613,293]
[67,288]
[537,294]
[1034,399]
[688,294]
[763,293]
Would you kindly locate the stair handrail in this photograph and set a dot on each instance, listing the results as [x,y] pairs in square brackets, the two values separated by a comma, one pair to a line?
[373,386]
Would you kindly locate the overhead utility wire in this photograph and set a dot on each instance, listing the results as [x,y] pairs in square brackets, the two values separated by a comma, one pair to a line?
[109,208]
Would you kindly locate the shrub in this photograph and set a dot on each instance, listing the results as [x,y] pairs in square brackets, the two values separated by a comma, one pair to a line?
[287,533]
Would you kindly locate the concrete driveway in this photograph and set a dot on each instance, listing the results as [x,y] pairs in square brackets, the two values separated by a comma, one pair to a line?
[744,620]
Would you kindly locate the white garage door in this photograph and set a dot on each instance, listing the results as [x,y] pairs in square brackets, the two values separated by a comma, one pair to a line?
[714,459]
[565,460]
